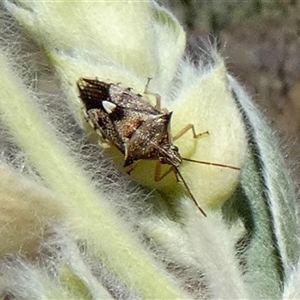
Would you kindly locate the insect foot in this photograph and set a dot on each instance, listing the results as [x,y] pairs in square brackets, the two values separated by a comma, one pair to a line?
[139,132]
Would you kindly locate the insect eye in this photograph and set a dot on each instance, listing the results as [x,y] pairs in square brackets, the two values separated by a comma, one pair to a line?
[174,148]
[163,160]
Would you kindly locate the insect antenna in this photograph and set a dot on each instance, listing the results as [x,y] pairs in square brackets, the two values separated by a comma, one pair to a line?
[211,163]
[189,191]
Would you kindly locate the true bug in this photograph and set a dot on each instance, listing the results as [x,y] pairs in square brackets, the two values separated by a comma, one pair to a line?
[138,129]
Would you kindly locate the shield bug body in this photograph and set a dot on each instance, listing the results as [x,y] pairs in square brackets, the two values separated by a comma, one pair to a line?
[139,130]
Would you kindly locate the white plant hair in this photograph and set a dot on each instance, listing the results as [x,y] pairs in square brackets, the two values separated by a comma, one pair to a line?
[74,226]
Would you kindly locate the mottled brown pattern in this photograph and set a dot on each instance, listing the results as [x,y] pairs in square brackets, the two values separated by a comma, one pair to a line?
[136,128]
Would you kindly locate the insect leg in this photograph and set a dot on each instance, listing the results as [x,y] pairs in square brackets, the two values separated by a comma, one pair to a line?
[185,129]
[130,168]
[157,97]
[158,176]
[195,135]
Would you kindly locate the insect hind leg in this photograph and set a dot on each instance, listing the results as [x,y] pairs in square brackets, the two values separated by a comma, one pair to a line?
[185,129]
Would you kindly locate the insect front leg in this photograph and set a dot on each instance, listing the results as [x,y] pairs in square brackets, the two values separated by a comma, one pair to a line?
[185,129]
[130,168]
[158,176]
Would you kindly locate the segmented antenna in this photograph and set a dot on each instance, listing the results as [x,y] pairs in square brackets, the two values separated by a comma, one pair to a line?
[189,191]
[211,164]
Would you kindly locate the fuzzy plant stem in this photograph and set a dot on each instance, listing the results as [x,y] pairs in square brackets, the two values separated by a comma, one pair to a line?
[268,189]
[111,238]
